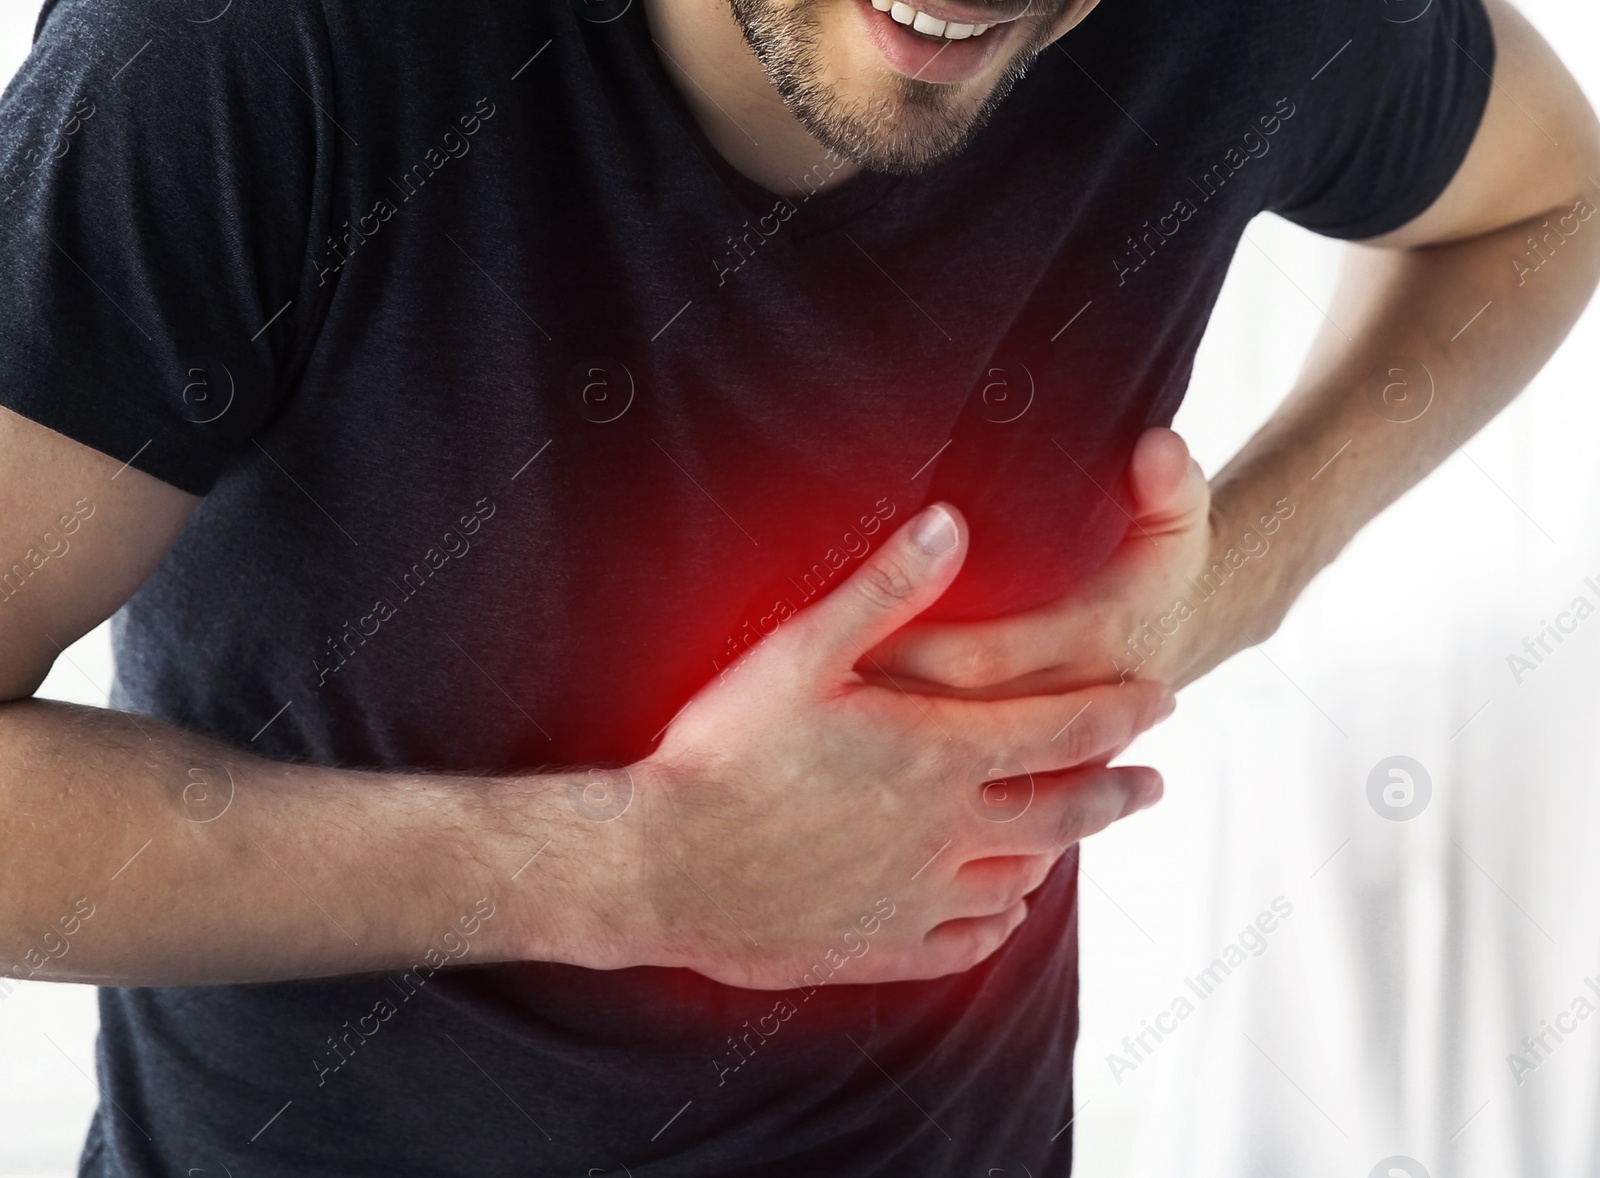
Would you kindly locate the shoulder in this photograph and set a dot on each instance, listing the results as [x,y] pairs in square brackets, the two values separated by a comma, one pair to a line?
[220,20]
[164,51]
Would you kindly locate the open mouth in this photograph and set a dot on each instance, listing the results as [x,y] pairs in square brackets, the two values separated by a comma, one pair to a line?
[943,42]
[927,24]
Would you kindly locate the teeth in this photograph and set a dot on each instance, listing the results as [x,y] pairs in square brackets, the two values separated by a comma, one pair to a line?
[902,13]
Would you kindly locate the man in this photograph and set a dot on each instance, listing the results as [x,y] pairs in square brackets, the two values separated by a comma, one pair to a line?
[663,507]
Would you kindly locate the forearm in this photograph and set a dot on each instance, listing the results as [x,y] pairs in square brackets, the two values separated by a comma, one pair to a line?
[1460,319]
[140,854]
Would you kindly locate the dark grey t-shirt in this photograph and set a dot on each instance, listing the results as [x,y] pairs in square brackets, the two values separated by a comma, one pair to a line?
[517,415]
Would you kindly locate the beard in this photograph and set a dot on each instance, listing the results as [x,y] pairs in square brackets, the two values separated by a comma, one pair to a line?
[917,127]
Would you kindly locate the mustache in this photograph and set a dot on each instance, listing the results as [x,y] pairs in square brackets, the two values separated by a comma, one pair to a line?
[1048,9]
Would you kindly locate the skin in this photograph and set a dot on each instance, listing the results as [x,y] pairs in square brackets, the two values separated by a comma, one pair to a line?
[801,790]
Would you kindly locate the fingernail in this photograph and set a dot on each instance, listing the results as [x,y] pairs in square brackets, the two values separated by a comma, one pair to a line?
[1168,706]
[935,531]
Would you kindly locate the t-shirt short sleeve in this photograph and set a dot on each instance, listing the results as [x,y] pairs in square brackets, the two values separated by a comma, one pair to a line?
[1391,102]
[162,171]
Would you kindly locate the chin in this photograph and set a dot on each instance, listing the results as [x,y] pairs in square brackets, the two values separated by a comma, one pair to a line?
[873,86]
[901,126]
[888,122]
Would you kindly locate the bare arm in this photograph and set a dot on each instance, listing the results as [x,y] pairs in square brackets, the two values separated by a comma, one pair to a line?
[197,864]
[1410,305]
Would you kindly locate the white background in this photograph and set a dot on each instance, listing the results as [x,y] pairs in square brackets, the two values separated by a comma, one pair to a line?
[1378,1019]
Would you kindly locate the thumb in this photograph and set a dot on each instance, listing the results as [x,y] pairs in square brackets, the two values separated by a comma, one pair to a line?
[903,578]
[1168,486]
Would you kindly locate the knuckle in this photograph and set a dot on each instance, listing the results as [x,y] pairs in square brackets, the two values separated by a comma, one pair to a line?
[1075,741]
[976,664]
[921,761]
[885,582]
[1108,615]
[1074,821]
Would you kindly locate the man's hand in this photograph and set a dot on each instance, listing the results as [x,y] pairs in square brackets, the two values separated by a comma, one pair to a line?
[1513,238]
[793,807]
[1144,613]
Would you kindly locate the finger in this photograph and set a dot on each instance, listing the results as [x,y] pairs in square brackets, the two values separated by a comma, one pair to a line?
[1066,807]
[958,945]
[1077,812]
[974,655]
[947,948]
[1157,470]
[905,576]
[1045,733]
[1170,491]
[990,886]
[1080,636]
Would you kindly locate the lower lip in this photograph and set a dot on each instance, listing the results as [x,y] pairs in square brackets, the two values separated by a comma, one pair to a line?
[927,60]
